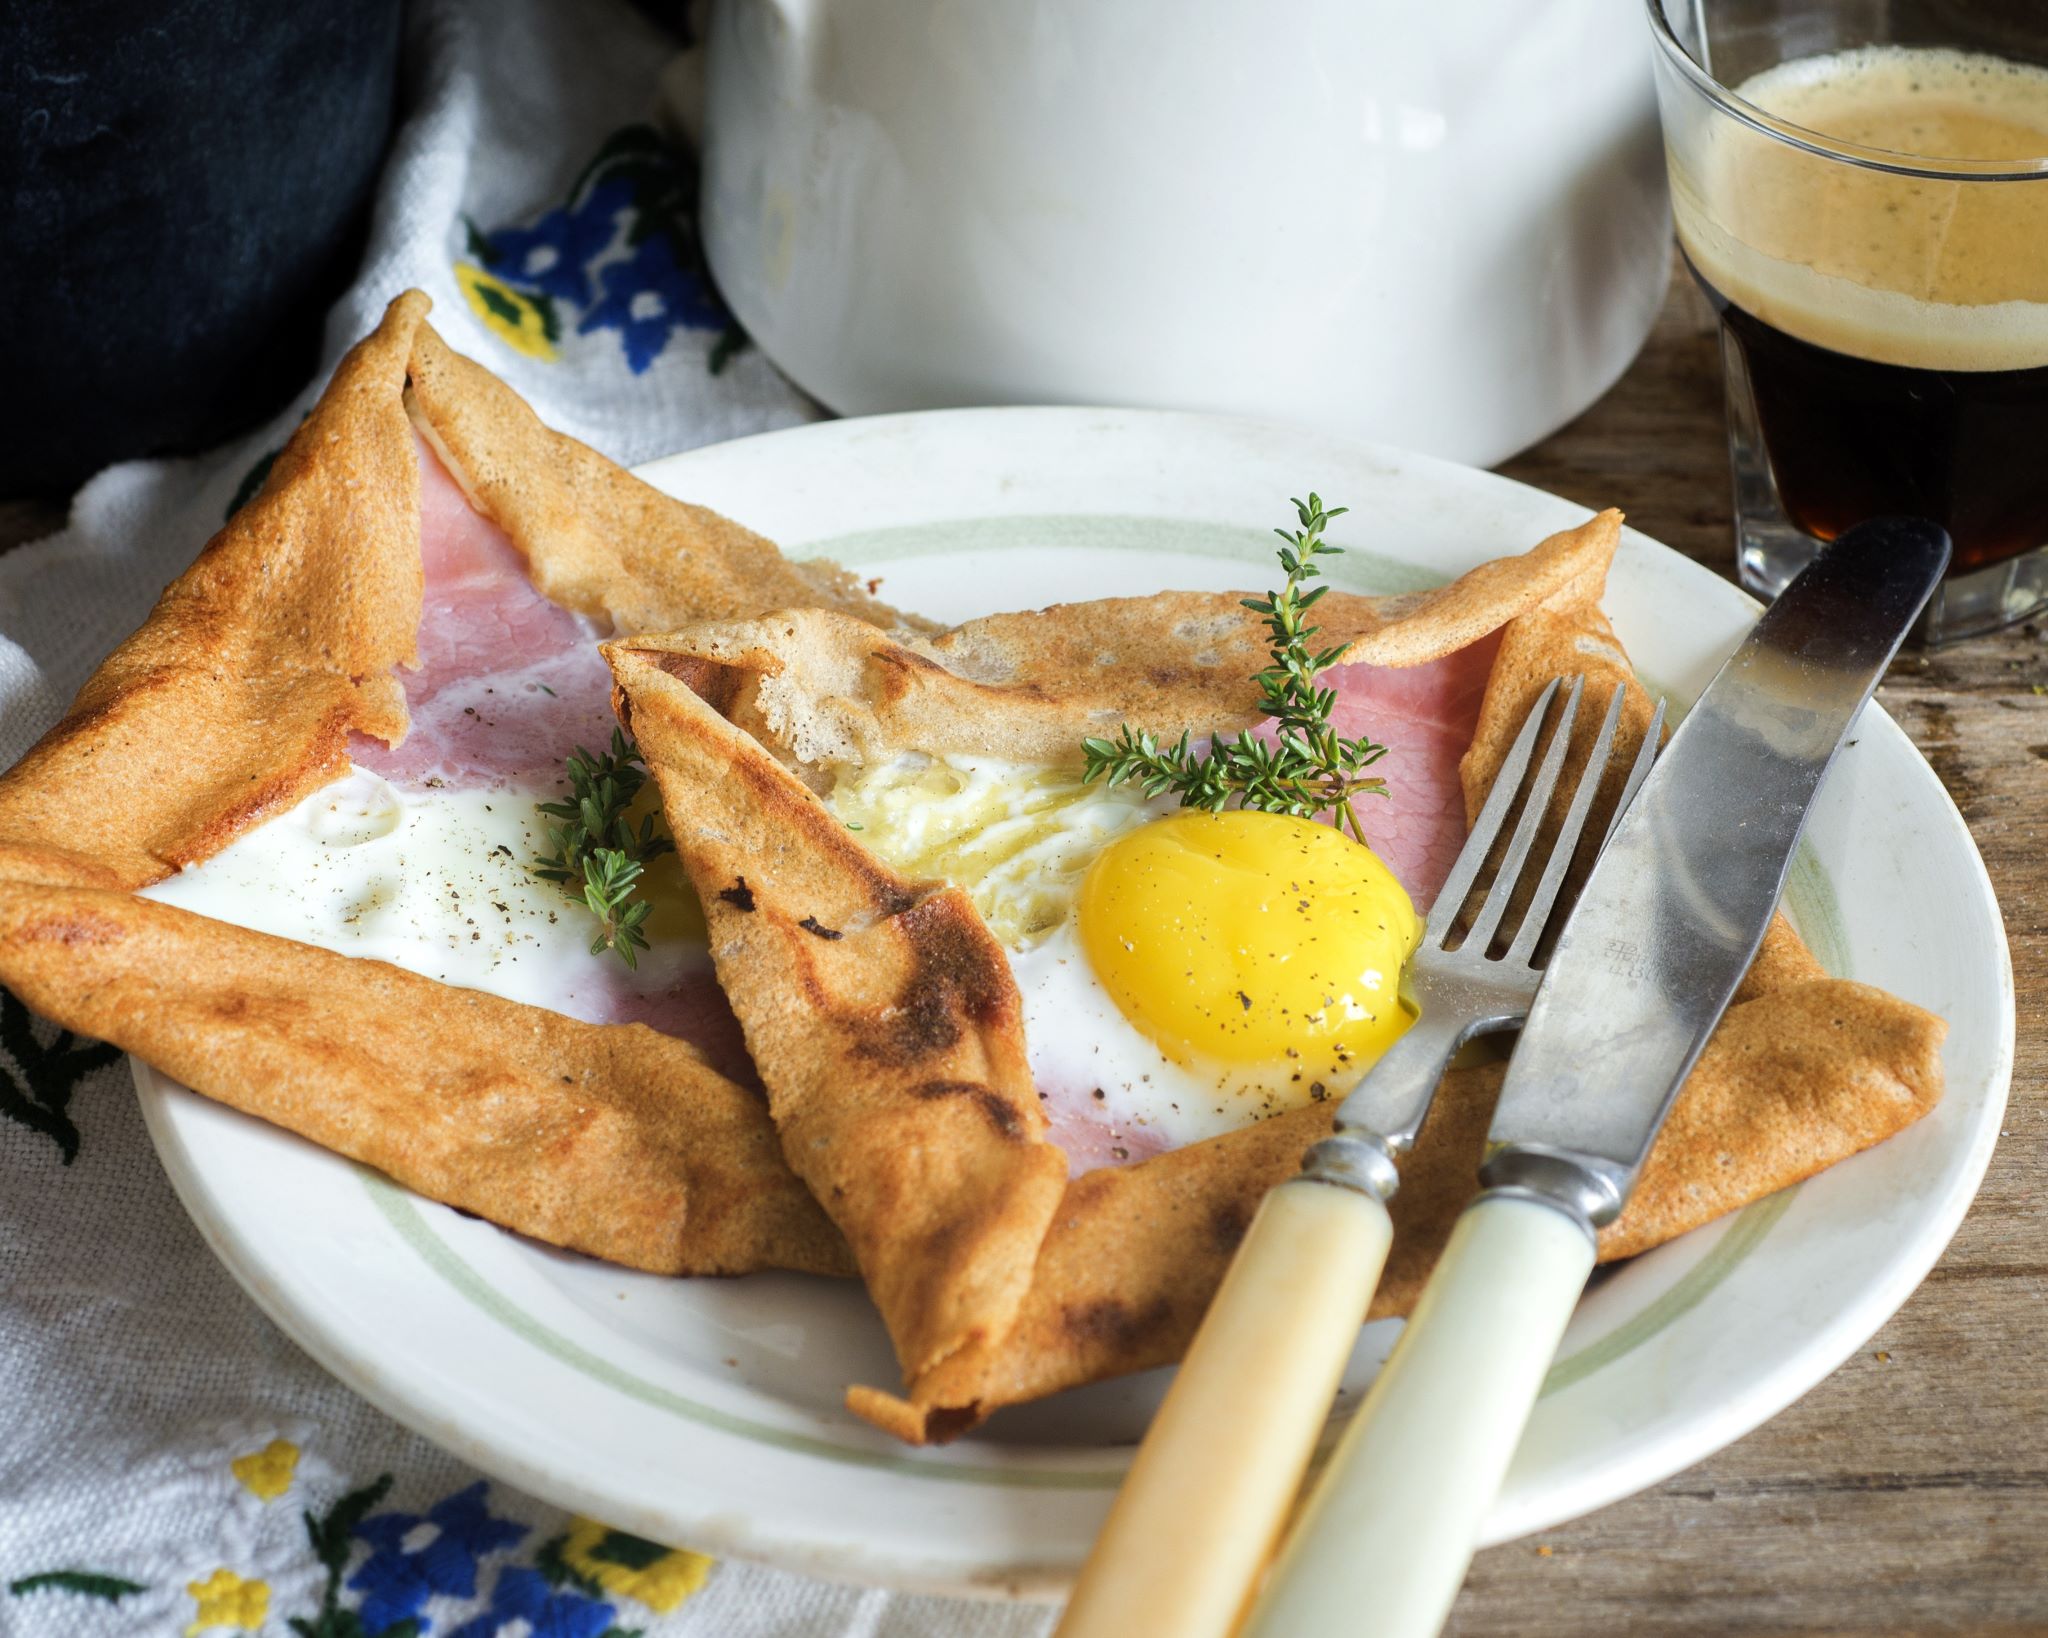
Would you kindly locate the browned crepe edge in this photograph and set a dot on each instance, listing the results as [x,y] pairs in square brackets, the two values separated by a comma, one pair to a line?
[884,1021]
[613,1140]
[237,695]
[820,689]
[601,541]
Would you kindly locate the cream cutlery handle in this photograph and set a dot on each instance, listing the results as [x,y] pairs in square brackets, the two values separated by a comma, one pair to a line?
[1388,1531]
[1210,1487]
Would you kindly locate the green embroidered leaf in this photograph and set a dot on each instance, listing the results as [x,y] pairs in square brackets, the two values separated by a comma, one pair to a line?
[331,1534]
[617,1547]
[550,321]
[557,1571]
[91,1583]
[731,342]
[475,241]
[621,1632]
[499,303]
[36,1089]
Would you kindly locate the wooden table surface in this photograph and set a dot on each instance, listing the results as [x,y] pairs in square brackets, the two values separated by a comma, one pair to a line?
[1908,1493]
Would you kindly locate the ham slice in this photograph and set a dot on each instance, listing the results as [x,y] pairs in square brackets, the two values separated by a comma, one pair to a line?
[508,683]
[1426,716]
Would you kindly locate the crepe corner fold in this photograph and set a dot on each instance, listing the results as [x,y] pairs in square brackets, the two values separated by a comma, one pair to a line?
[613,1140]
[883,1019]
[237,695]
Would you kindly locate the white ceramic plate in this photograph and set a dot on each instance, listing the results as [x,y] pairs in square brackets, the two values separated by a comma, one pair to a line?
[707,1412]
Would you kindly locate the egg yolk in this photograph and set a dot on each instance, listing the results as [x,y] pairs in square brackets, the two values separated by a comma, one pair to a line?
[1252,938]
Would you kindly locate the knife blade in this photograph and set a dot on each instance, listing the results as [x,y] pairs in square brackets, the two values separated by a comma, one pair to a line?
[1678,903]
[1668,922]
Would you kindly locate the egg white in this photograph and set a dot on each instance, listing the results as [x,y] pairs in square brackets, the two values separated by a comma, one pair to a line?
[438,882]
[435,881]
[1018,838]
[1082,1047]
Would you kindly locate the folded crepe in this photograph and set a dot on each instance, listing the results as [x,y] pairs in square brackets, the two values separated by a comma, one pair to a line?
[741,720]
[236,697]
[611,1139]
[240,694]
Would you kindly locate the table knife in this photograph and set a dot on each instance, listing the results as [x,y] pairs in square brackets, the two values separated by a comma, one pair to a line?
[1663,931]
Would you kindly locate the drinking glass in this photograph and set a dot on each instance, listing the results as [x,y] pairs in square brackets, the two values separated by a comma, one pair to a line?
[1883,308]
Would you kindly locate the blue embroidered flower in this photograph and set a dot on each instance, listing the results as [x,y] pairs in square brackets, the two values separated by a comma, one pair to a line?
[648,296]
[553,255]
[413,1558]
[523,1600]
[622,252]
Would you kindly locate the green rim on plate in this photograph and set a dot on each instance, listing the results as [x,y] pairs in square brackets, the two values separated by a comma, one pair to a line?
[1810,901]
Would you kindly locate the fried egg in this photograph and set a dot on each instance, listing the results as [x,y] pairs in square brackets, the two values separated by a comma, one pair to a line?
[1182,973]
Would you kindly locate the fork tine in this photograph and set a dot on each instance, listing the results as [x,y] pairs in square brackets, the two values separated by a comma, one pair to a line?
[1646,753]
[1567,843]
[1450,898]
[1535,808]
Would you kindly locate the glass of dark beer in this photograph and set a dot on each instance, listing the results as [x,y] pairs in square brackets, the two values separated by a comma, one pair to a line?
[1860,188]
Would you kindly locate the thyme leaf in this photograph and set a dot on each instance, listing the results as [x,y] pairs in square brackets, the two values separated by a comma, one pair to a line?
[599,855]
[1307,767]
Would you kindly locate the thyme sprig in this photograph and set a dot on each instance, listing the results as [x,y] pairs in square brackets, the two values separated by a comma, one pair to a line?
[599,856]
[1307,767]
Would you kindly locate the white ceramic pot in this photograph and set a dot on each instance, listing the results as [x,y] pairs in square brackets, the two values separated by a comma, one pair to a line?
[1436,223]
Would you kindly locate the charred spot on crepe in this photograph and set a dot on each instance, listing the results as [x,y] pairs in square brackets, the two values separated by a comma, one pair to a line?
[1110,1323]
[1001,1112]
[959,975]
[739,895]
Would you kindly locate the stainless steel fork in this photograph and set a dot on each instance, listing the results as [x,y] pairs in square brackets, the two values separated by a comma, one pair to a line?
[1202,1506]
[1461,987]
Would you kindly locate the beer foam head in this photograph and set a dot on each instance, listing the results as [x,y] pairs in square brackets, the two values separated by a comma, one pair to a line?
[1941,272]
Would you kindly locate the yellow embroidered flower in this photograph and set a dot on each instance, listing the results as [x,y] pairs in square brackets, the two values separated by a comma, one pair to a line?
[659,1577]
[226,1600]
[524,323]
[267,1472]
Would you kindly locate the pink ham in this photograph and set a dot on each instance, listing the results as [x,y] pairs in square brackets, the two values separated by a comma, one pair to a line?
[508,683]
[1426,716]
[1089,1140]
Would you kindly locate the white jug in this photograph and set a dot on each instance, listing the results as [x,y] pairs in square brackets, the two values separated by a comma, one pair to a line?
[1435,223]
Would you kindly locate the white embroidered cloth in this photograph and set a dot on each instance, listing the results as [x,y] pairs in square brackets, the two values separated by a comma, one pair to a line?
[170,1463]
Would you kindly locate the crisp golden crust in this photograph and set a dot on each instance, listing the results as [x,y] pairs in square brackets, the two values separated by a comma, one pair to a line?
[609,1139]
[599,540]
[819,688]
[884,1021]
[237,695]
[1133,1254]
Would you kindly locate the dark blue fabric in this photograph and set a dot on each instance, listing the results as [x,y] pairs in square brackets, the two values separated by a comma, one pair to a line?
[183,189]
